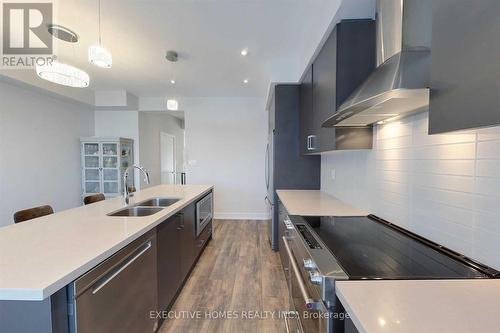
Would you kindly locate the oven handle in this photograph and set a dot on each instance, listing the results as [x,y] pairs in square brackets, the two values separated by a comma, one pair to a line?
[309,303]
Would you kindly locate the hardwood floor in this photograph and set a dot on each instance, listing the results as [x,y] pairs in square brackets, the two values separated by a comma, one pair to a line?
[237,275]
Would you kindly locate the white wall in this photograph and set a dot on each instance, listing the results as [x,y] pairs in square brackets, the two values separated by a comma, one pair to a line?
[225,146]
[39,150]
[444,187]
[151,124]
[123,124]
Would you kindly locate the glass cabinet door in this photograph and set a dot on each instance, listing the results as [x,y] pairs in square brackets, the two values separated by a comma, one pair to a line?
[92,187]
[110,168]
[110,149]
[103,165]
[92,164]
[91,149]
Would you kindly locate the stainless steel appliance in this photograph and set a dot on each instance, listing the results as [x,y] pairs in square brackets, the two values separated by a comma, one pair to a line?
[323,250]
[119,294]
[400,84]
[204,213]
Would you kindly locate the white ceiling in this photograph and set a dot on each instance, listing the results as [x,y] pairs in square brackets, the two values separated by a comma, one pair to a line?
[208,35]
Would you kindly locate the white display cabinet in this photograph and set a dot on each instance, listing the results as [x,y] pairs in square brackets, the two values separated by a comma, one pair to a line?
[104,160]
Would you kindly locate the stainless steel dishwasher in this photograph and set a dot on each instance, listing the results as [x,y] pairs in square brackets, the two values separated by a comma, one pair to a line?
[119,294]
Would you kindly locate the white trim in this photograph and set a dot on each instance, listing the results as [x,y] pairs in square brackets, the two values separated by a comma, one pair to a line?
[241,216]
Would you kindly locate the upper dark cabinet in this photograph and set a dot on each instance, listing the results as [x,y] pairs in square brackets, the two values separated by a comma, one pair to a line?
[465,70]
[306,113]
[346,59]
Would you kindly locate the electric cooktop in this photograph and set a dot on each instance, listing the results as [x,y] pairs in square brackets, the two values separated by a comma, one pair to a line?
[371,248]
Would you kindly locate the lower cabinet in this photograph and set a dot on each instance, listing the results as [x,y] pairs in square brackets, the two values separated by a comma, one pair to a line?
[177,251]
[169,260]
[187,238]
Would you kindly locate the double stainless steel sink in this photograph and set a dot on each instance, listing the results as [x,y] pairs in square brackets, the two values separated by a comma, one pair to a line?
[145,208]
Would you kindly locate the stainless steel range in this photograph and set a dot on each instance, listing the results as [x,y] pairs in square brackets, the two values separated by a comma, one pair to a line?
[323,250]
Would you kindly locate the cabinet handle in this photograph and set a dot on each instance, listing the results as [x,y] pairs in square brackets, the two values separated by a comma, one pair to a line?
[181,225]
[310,145]
[118,269]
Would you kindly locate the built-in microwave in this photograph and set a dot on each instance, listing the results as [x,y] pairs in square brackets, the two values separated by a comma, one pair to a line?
[204,213]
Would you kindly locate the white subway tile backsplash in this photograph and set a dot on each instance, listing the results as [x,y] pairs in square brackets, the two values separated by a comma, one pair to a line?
[450,198]
[459,151]
[492,133]
[445,167]
[395,154]
[423,139]
[488,168]
[444,182]
[394,165]
[488,149]
[444,187]
[393,143]
[488,186]
[488,222]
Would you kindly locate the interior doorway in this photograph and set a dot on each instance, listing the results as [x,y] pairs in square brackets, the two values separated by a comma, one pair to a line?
[167,158]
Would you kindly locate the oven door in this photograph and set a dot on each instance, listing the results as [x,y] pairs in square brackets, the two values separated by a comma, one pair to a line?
[204,213]
[310,315]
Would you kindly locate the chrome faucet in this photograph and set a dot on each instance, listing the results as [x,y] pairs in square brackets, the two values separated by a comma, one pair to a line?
[126,193]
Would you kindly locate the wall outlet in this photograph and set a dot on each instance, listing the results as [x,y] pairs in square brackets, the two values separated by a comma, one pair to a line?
[332,174]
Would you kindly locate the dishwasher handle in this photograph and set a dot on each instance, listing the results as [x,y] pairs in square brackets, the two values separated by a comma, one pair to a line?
[108,277]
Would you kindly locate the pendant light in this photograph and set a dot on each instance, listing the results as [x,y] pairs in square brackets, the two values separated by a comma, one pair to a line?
[66,75]
[58,72]
[98,55]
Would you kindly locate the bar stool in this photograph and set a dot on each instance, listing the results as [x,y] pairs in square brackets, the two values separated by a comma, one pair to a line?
[93,198]
[32,213]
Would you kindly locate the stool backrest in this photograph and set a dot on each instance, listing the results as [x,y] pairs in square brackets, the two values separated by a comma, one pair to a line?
[93,198]
[32,213]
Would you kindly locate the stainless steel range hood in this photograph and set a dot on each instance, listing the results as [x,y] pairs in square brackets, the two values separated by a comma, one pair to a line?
[399,85]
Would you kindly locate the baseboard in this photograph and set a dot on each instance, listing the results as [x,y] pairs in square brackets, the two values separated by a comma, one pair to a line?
[241,216]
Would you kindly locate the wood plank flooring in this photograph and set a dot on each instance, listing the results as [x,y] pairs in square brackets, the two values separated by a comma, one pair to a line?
[237,275]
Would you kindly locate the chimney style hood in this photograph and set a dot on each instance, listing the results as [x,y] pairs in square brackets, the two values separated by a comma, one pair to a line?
[399,85]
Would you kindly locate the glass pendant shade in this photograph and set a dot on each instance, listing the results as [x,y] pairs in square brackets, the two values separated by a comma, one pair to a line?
[63,74]
[99,56]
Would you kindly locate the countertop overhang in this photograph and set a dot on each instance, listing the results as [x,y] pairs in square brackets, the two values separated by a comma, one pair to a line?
[41,256]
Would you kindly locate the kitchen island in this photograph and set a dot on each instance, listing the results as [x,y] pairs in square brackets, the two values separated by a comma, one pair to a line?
[40,257]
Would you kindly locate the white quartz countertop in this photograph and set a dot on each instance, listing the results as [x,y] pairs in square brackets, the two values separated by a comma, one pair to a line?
[315,203]
[436,306]
[40,256]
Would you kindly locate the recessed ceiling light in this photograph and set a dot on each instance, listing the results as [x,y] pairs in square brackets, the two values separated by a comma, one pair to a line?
[172,105]
[245,81]
[172,81]
[244,52]
[380,122]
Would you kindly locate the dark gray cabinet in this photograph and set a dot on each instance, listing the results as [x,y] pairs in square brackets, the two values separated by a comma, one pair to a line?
[287,168]
[169,260]
[465,70]
[346,59]
[187,239]
[177,251]
[307,131]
